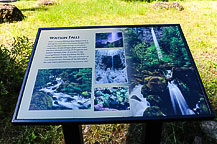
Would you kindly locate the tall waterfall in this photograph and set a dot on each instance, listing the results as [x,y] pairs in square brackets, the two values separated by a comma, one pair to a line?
[178,101]
[113,37]
[156,44]
[109,69]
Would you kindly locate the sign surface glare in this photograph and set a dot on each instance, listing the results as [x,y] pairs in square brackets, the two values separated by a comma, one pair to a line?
[111,73]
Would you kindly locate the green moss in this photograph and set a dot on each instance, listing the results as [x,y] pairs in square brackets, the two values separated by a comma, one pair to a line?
[41,101]
[153,111]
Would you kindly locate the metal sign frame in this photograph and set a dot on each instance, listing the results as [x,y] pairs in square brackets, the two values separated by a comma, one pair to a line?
[17,120]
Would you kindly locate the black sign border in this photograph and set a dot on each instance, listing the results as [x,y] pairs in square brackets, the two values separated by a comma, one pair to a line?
[110,120]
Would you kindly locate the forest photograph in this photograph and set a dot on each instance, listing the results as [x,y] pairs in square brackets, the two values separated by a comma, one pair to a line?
[111,99]
[161,75]
[109,40]
[110,66]
[62,89]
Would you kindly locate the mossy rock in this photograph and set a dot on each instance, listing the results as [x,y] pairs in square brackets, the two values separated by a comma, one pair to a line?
[10,13]
[157,74]
[145,90]
[145,72]
[153,111]
[155,83]
[154,99]
[40,101]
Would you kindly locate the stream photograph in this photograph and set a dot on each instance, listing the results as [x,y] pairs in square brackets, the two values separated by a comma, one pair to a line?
[161,75]
[110,66]
[109,40]
[62,89]
[111,99]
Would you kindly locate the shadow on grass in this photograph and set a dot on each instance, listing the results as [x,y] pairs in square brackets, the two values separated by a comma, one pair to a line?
[35,9]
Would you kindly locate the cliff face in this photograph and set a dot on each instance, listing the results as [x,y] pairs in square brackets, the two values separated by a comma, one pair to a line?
[146,35]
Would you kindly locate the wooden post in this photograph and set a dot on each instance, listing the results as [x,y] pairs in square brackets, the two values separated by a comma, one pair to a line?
[152,132]
[72,134]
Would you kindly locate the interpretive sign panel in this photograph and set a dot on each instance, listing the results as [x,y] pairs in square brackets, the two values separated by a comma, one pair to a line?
[111,73]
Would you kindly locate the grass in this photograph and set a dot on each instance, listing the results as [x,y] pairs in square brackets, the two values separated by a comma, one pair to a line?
[198,21]
[199,24]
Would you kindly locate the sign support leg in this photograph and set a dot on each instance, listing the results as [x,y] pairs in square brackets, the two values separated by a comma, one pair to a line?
[72,134]
[152,132]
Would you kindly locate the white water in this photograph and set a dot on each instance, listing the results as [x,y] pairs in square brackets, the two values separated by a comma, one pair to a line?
[138,107]
[156,44]
[168,74]
[178,101]
[50,89]
[112,62]
[108,52]
[65,100]
[113,37]
[109,75]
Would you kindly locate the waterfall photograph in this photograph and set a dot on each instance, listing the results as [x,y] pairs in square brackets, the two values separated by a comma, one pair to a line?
[161,74]
[62,89]
[109,40]
[111,99]
[110,66]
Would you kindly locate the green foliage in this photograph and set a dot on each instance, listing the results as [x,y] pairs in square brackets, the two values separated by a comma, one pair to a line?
[118,43]
[41,101]
[42,79]
[14,59]
[142,56]
[149,58]
[132,39]
[183,133]
[13,64]
[173,48]
[76,81]
[148,69]
[10,134]
[105,133]
[153,111]
[153,99]
[115,98]
[5,66]
[101,36]
[85,94]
